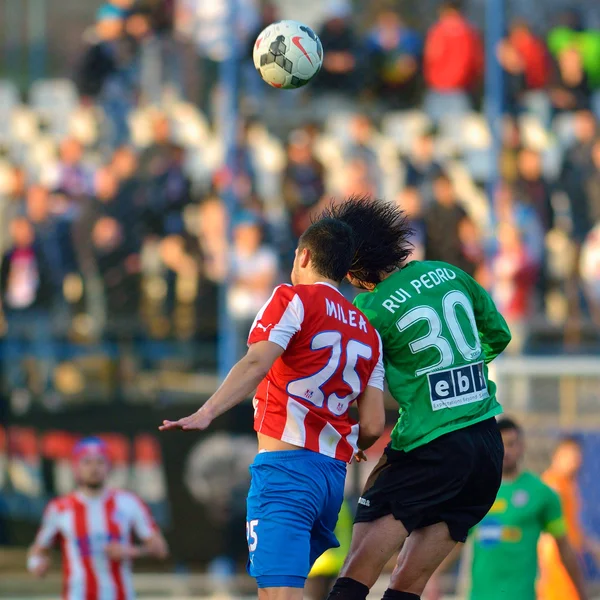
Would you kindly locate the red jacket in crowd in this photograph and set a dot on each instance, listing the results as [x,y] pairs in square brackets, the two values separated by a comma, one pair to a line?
[535,57]
[453,54]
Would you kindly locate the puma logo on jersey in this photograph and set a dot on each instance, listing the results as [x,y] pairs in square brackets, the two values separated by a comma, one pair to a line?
[265,329]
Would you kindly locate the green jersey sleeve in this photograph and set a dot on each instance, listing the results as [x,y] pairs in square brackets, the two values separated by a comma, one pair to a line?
[553,520]
[493,330]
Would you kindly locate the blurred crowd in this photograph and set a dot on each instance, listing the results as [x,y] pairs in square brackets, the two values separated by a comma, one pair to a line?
[113,224]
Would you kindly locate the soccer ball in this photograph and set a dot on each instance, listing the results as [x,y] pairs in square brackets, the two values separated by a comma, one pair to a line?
[288,54]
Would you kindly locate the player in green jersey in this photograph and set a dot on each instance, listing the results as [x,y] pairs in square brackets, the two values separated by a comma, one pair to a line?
[440,474]
[505,543]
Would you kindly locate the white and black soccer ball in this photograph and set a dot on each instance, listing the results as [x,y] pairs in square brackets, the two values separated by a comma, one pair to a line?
[288,54]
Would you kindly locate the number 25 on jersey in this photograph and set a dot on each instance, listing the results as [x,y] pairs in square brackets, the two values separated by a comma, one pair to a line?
[310,388]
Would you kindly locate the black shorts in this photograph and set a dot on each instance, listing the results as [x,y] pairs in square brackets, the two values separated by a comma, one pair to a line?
[454,479]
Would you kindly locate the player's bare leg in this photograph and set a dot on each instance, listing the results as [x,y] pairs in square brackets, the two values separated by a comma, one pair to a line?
[423,552]
[373,544]
[280,593]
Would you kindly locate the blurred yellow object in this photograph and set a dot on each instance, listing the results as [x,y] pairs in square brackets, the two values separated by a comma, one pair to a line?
[330,563]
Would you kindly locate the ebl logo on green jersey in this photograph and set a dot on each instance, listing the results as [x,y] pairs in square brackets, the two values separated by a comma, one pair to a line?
[458,386]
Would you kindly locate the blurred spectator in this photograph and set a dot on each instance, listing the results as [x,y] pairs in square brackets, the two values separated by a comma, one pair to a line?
[117,264]
[513,66]
[125,165]
[535,191]
[73,177]
[110,200]
[362,148]
[394,53]
[253,273]
[576,171]
[10,203]
[410,201]
[514,274]
[27,296]
[358,179]
[453,63]
[303,180]
[533,188]
[160,12]
[108,72]
[167,189]
[207,25]
[180,256]
[569,90]
[523,217]
[570,33]
[590,271]
[511,145]
[592,185]
[341,73]
[100,58]
[532,52]
[421,166]
[53,236]
[450,233]
[212,237]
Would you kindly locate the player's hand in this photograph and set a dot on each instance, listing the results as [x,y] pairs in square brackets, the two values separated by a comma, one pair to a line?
[199,421]
[360,456]
[118,551]
[38,565]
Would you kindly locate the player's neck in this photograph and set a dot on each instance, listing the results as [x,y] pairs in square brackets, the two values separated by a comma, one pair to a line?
[512,475]
[312,278]
[90,492]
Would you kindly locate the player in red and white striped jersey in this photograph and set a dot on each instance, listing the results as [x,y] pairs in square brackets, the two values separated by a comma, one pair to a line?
[311,354]
[95,526]
[329,347]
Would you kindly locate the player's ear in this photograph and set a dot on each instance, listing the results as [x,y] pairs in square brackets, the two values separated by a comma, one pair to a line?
[304,257]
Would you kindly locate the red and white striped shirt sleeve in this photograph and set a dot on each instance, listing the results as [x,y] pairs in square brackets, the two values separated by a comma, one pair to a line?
[141,517]
[279,319]
[377,378]
[48,531]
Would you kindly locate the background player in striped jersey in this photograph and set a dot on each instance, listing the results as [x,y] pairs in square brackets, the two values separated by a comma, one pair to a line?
[311,354]
[94,526]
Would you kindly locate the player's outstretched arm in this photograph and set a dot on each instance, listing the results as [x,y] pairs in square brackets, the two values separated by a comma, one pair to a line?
[571,563]
[371,417]
[238,385]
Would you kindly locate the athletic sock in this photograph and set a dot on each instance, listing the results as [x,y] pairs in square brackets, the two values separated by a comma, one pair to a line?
[346,588]
[396,595]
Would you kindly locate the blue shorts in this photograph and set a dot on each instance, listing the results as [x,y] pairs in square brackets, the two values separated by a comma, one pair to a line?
[293,505]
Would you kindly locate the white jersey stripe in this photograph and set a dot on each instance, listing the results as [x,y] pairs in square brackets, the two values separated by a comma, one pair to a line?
[97,528]
[289,324]
[295,432]
[264,307]
[352,437]
[76,584]
[329,438]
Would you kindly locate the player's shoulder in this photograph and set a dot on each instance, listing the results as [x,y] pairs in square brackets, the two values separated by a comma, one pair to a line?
[536,483]
[125,496]
[61,503]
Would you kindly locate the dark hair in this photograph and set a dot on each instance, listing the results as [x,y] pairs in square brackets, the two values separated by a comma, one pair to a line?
[508,424]
[381,234]
[331,245]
